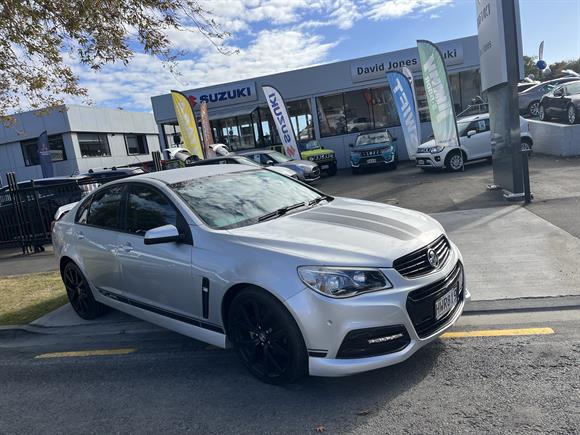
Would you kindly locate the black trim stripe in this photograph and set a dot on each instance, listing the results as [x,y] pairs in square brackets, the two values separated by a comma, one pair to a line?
[162,312]
[316,354]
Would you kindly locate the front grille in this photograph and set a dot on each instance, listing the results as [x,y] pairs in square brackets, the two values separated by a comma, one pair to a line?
[384,340]
[314,174]
[421,302]
[371,153]
[320,157]
[417,263]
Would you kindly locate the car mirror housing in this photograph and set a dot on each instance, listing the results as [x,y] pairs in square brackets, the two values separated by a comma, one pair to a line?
[164,234]
[270,162]
[471,133]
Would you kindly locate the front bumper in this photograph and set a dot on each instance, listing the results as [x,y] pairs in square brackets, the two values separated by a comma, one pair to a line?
[326,322]
[312,177]
[428,160]
[372,161]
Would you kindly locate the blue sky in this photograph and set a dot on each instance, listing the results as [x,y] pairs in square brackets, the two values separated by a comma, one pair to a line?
[280,35]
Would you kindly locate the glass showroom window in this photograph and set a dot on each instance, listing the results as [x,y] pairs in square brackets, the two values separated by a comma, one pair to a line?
[94,145]
[30,150]
[470,86]
[455,86]
[136,144]
[384,110]
[422,101]
[269,132]
[301,117]
[358,113]
[331,115]
[246,132]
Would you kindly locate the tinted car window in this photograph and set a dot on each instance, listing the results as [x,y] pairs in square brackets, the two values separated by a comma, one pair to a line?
[147,208]
[105,207]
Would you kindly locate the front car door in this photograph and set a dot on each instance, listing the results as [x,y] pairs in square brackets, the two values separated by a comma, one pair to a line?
[96,233]
[478,145]
[158,275]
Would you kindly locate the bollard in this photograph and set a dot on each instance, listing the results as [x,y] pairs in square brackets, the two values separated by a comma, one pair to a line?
[526,175]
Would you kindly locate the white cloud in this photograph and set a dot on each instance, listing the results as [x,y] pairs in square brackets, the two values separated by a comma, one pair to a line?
[389,9]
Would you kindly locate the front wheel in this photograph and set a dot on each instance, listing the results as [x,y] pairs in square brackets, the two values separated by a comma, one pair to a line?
[79,293]
[332,169]
[454,161]
[571,114]
[526,145]
[542,113]
[534,108]
[266,337]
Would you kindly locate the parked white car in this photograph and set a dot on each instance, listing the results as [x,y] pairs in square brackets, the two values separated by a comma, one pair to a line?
[295,280]
[475,138]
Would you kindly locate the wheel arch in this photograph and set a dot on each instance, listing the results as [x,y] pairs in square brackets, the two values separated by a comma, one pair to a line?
[455,151]
[64,260]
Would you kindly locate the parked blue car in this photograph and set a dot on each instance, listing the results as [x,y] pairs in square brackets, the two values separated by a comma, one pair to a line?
[372,149]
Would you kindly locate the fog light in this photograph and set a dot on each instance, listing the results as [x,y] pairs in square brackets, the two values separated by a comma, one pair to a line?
[437,158]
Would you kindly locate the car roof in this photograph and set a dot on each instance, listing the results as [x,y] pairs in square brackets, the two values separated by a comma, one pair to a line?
[252,152]
[179,175]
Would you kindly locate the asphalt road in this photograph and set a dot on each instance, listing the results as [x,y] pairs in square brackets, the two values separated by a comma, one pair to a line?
[171,384]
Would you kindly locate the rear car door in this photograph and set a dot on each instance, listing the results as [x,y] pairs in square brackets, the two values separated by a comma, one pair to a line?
[157,277]
[96,233]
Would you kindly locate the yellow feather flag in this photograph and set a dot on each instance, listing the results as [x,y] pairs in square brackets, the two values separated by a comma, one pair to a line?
[187,124]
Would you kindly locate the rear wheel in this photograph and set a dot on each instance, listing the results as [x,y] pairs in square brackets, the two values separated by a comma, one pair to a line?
[454,161]
[526,144]
[266,337]
[534,108]
[332,169]
[571,114]
[79,293]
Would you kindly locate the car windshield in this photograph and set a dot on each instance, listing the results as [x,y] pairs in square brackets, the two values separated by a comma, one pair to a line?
[278,157]
[309,146]
[242,198]
[373,138]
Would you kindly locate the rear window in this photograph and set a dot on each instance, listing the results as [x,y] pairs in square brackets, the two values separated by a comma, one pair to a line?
[105,207]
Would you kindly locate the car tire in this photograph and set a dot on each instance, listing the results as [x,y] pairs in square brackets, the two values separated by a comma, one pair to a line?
[266,337]
[533,108]
[572,114]
[542,113]
[355,171]
[526,144]
[454,161]
[79,293]
[332,169]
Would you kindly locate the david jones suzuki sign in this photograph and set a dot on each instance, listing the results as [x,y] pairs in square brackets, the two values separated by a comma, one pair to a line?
[375,67]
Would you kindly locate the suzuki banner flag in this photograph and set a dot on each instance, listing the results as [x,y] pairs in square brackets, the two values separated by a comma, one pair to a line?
[408,116]
[187,124]
[407,73]
[44,156]
[438,95]
[282,120]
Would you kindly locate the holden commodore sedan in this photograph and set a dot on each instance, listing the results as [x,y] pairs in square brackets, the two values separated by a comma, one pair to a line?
[239,256]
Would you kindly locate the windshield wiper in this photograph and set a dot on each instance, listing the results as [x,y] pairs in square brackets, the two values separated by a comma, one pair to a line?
[281,211]
[320,199]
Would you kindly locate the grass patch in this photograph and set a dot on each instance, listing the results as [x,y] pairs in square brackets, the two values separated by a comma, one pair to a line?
[27,297]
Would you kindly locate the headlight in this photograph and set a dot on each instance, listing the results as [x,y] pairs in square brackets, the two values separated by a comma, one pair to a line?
[435,150]
[311,158]
[340,282]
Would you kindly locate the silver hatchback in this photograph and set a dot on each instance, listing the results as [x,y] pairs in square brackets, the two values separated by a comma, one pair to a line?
[294,280]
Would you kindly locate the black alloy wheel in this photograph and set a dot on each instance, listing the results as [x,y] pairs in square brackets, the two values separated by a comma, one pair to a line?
[266,338]
[534,108]
[79,294]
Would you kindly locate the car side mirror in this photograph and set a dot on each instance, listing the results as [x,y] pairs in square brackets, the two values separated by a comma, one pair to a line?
[351,145]
[164,234]
[270,162]
[471,133]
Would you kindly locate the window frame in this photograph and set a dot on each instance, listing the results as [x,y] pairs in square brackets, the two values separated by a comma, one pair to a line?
[89,202]
[146,144]
[105,135]
[28,142]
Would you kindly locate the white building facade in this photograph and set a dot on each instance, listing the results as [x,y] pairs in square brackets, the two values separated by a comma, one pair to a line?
[80,138]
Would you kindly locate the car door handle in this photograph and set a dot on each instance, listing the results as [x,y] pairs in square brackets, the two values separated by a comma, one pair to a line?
[127,247]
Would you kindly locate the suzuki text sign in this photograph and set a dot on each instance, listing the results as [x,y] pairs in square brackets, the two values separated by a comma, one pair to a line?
[375,67]
[219,96]
[282,121]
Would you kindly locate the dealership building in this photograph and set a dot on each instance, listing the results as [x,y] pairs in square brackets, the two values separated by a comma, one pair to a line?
[80,138]
[331,102]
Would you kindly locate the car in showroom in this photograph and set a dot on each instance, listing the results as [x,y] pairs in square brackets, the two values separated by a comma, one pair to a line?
[234,159]
[308,172]
[562,103]
[239,256]
[475,139]
[529,100]
[373,149]
[325,158]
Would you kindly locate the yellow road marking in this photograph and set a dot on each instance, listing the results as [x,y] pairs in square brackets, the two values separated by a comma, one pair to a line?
[83,353]
[499,332]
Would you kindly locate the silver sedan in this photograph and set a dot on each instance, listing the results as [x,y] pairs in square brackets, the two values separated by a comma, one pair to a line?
[296,281]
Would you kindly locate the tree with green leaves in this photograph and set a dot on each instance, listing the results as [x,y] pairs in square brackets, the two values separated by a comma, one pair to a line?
[38,37]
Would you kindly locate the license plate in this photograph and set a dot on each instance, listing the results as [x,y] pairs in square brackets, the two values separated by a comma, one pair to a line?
[420,161]
[446,303]
[371,160]
[324,167]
